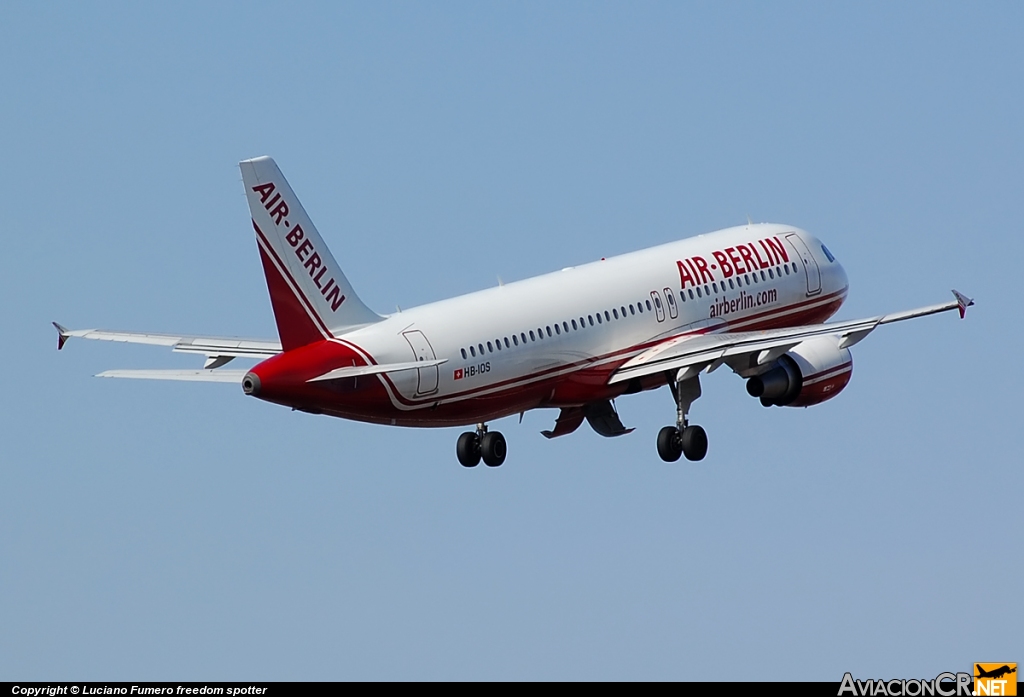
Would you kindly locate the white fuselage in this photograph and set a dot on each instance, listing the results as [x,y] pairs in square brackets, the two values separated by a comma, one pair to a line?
[598,315]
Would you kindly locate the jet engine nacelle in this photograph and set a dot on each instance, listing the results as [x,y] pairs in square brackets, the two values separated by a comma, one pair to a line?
[809,373]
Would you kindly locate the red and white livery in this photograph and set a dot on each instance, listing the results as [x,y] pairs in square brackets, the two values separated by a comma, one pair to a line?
[754,298]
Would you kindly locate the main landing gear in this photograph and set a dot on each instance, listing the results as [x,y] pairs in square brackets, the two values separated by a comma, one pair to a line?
[489,445]
[683,439]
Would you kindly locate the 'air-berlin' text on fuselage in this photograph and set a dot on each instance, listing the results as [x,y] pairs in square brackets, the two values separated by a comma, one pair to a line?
[743,258]
[311,260]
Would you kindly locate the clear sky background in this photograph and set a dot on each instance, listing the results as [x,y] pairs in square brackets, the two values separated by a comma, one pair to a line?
[183,531]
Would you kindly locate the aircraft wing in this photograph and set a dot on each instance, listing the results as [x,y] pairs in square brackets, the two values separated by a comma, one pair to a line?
[218,350]
[689,355]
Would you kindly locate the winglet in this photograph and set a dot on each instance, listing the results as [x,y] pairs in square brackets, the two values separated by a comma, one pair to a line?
[62,335]
[963,302]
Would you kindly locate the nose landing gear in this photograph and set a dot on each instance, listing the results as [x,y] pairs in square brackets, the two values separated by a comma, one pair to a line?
[488,445]
[683,439]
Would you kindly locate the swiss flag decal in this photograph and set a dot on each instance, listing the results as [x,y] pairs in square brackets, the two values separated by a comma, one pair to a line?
[458,374]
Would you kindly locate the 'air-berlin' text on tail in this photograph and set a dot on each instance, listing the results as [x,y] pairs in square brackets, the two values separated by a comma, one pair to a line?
[311,297]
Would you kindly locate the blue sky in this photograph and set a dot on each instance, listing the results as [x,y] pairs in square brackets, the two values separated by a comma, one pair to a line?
[183,531]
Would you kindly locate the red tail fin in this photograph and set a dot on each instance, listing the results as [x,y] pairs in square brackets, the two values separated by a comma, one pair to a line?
[312,297]
[294,325]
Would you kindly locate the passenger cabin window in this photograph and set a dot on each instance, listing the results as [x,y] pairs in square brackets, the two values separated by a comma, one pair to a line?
[599,318]
[532,338]
[490,347]
[574,325]
[557,330]
[464,356]
[698,292]
[472,352]
[648,305]
[590,319]
[607,317]
[549,330]
[506,343]
[565,326]
[615,313]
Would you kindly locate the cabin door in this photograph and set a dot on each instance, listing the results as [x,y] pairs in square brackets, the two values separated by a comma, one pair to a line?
[811,270]
[426,382]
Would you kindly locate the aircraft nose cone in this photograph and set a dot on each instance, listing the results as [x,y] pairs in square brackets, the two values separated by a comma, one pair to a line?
[251,384]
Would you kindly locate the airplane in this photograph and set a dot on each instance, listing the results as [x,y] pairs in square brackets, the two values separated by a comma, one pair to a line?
[996,673]
[754,298]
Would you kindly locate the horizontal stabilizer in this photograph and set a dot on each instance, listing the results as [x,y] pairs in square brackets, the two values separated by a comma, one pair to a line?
[234,376]
[356,371]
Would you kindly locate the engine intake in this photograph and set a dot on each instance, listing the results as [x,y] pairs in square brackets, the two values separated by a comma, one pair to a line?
[779,386]
[810,373]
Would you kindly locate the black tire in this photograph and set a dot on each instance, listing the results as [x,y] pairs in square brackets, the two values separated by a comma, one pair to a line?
[493,448]
[695,443]
[669,444]
[467,449]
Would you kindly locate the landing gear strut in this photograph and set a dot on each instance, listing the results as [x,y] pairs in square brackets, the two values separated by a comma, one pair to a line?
[683,439]
[489,445]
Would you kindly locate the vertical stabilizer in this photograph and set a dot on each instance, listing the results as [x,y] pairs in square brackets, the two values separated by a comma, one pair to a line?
[312,298]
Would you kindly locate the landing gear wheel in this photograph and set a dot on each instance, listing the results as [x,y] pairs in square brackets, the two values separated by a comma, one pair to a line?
[493,449]
[467,449]
[670,446]
[694,442]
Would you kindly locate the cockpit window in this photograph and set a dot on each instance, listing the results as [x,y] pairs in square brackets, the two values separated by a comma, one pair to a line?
[828,253]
